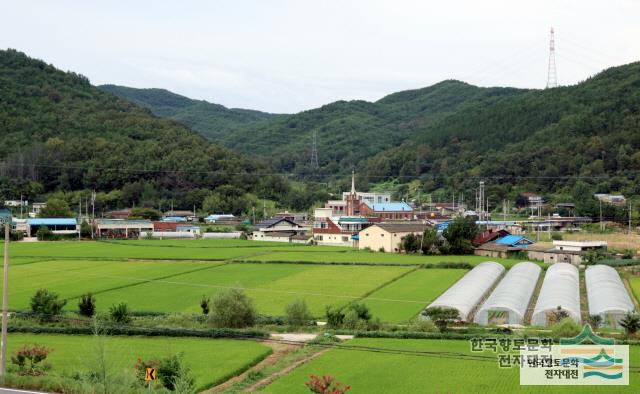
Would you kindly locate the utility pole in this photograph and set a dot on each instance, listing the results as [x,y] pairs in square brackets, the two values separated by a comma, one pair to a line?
[5,297]
[504,210]
[93,211]
[552,75]
[264,209]
[629,217]
[601,223]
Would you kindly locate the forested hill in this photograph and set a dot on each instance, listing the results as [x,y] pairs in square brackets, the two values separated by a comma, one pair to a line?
[347,132]
[211,120]
[568,141]
[61,133]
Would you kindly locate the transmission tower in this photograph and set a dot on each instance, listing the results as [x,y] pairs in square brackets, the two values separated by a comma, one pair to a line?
[552,76]
[314,151]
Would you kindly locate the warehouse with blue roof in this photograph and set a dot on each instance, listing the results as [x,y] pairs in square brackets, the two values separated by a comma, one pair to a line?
[62,226]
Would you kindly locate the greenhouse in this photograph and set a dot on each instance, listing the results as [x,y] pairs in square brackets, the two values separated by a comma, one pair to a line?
[508,303]
[560,290]
[466,293]
[607,295]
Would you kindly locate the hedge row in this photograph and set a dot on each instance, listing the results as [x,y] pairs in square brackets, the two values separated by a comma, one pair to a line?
[143,331]
[454,265]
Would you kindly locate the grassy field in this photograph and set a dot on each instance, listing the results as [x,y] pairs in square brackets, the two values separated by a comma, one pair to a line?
[178,286]
[406,297]
[210,360]
[374,372]
[222,250]
[634,282]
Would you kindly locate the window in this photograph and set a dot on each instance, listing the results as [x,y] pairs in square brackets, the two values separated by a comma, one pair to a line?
[367,234]
[345,239]
[382,235]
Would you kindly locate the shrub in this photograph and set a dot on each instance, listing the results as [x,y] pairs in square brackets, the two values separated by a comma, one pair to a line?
[119,313]
[556,237]
[233,308]
[441,317]
[175,375]
[381,250]
[362,311]
[297,313]
[87,305]
[46,304]
[566,328]
[205,303]
[85,229]
[631,323]
[558,315]
[325,385]
[335,317]
[595,321]
[423,326]
[33,355]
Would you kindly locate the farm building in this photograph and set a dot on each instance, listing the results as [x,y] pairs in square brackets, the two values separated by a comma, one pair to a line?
[120,228]
[504,247]
[222,218]
[607,295]
[467,293]
[62,226]
[187,215]
[180,227]
[488,236]
[560,289]
[388,236]
[567,251]
[508,303]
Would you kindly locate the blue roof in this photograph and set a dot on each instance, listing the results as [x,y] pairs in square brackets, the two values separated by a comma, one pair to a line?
[390,206]
[219,216]
[52,222]
[514,240]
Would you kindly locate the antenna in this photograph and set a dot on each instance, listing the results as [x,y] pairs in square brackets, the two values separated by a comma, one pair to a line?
[314,151]
[552,75]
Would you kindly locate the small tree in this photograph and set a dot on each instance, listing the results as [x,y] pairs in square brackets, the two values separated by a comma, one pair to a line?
[46,304]
[325,385]
[297,313]
[43,233]
[120,313]
[56,208]
[232,308]
[87,305]
[335,317]
[205,303]
[558,315]
[174,374]
[145,213]
[28,359]
[410,243]
[631,323]
[595,321]
[430,241]
[85,229]
[442,317]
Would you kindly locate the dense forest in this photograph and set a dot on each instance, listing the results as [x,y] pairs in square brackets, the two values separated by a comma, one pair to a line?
[566,143]
[62,135]
[211,120]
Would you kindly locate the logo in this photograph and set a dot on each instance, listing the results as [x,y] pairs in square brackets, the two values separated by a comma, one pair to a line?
[586,359]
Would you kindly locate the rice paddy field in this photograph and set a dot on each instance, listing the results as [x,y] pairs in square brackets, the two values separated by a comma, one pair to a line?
[432,372]
[220,250]
[172,275]
[211,361]
[634,282]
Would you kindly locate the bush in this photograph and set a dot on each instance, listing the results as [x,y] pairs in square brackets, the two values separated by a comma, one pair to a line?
[85,229]
[33,355]
[325,385]
[43,233]
[556,237]
[441,317]
[566,328]
[175,375]
[119,313]
[234,309]
[335,317]
[205,303]
[45,304]
[631,323]
[595,321]
[297,313]
[87,305]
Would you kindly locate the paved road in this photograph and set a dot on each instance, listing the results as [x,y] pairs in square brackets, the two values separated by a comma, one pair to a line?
[16,391]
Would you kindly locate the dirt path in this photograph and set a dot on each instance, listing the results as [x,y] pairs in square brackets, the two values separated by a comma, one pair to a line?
[279,351]
[266,381]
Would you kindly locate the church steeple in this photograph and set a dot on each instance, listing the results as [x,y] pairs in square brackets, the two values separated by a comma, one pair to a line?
[353,181]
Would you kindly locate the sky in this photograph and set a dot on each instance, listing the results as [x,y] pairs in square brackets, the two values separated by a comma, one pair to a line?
[290,56]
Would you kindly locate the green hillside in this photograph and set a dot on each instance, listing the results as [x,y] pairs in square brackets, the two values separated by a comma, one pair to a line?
[211,120]
[60,133]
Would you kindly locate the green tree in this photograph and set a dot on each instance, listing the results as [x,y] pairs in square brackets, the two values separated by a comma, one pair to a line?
[297,313]
[85,229]
[459,234]
[119,313]
[46,305]
[232,308]
[87,305]
[56,208]
[431,241]
[410,243]
[145,213]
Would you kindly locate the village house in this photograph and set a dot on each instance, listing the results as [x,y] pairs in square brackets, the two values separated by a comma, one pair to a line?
[388,236]
[615,199]
[504,247]
[162,229]
[279,230]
